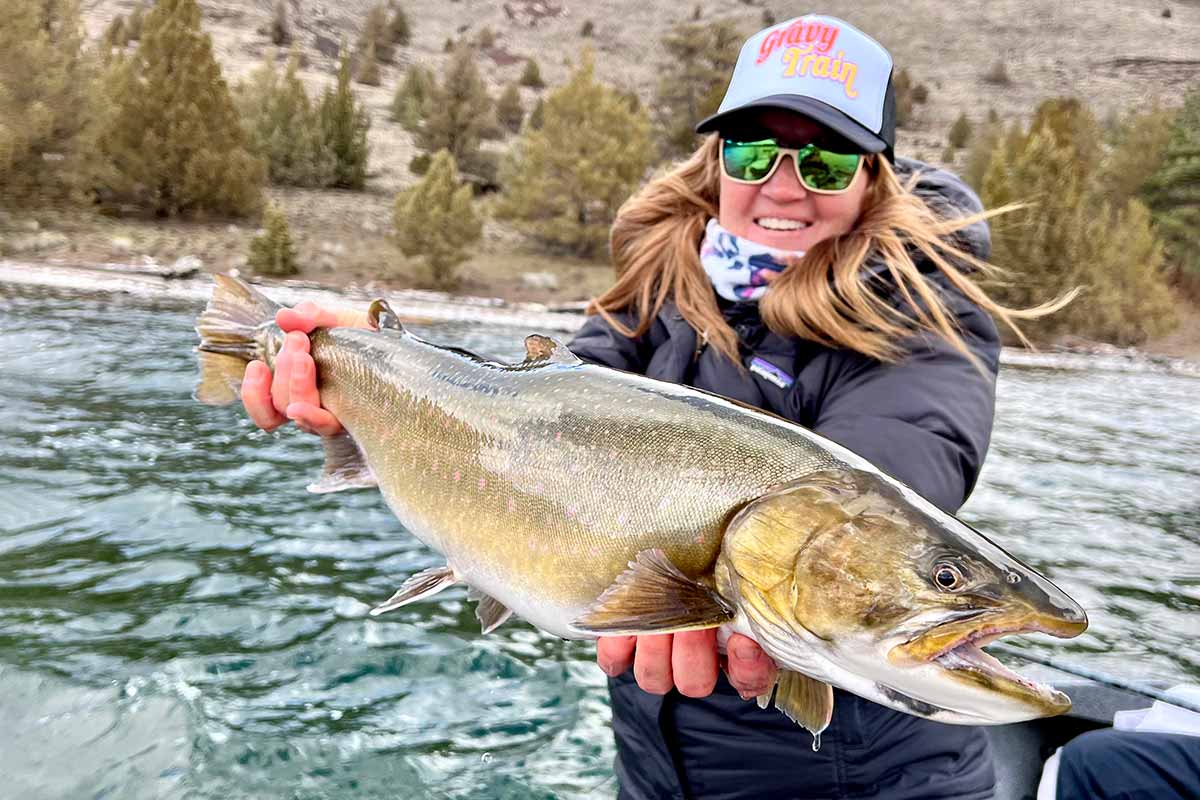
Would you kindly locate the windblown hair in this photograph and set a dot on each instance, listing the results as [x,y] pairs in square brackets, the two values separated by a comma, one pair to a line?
[826,296]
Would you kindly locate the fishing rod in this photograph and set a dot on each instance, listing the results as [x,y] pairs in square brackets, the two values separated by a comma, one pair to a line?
[1106,680]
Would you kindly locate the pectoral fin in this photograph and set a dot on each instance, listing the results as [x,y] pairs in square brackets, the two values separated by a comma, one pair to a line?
[490,612]
[806,701]
[345,467]
[653,596]
[423,584]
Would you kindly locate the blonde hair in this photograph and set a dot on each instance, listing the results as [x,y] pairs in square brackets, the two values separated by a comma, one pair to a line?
[824,297]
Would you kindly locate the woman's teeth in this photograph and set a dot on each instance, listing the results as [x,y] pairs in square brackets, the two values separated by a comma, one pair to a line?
[777,224]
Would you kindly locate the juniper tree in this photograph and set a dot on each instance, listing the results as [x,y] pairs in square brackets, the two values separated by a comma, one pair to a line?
[408,105]
[282,127]
[1069,237]
[458,111]
[368,66]
[344,124]
[398,28]
[271,252]
[171,137]
[694,78]
[436,221]
[1138,145]
[508,108]
[537,117]
[281,33]
[377,36]
[983,144]
[1173,193]
[531,76]
[960,132]
[116,35]
[44,105]
[564,189]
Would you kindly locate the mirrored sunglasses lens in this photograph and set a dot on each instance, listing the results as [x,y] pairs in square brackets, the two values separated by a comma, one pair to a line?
[826,171]
[749,161]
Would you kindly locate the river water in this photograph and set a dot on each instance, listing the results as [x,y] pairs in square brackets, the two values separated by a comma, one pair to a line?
[180,618]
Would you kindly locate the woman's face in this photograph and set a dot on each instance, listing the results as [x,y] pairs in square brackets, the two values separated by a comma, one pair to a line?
[781,213]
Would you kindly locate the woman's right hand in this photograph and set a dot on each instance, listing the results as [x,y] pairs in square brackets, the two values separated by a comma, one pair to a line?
[291,392]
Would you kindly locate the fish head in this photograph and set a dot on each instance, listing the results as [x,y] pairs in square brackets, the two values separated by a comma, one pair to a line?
[853,576]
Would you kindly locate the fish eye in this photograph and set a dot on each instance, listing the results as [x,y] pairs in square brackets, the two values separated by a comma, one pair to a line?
[948,577]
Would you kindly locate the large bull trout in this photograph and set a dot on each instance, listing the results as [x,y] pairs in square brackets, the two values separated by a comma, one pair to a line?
[590,501]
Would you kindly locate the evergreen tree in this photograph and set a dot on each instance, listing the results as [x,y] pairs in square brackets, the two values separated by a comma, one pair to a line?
[133,26]
[375,41]
[1067,238]
[282,128]
[537,117]
[368,67]
[435,220]
[399,30]
[344,125]
[960,132]
[508,108]
[1173,193]
[115,35]
[486,38]
[281,33]
[458,113]
[694,78]
[271,252]
[564,189]
[408,105]
[1139,143]
[903,86]
[44,105]
[171,138]
[983,144]
[532,76]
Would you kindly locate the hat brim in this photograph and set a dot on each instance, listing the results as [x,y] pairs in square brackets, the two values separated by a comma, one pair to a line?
[822,113]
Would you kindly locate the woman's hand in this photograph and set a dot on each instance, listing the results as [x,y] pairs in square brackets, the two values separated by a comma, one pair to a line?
[687,662]
[291,393]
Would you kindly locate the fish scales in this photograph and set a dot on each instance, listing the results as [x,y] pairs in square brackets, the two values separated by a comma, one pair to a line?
[550,476]
[595,502]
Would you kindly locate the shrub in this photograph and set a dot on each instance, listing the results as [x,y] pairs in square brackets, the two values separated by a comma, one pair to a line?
[508,108]
[532,76]
[997,74]
[280,32]
[436,221]
[408,106]
[960,132]
[271,252]
[588,28]
[399,30]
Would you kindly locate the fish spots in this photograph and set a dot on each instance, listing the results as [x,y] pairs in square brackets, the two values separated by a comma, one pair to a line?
[512,504]
[457,475]
[482,483]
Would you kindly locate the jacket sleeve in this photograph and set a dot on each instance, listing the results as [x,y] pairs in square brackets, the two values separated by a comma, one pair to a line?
[600,343]
[927,420]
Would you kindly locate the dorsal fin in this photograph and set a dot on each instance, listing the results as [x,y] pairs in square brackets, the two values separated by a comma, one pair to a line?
[543,348]
[381,316]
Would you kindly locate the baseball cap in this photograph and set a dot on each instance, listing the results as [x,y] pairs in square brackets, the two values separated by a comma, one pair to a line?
[823,68]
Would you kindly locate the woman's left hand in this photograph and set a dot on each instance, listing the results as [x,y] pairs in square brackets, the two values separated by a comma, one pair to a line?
[687,662]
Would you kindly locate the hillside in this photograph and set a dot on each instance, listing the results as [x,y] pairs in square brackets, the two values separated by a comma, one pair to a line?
[1114,55]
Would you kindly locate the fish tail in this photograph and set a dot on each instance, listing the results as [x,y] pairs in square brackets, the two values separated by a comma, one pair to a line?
[231,332]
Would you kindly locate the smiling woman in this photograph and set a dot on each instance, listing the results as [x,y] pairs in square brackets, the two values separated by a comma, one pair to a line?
[793,264]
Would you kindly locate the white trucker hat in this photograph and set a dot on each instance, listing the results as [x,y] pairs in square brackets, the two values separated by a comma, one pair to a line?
[823,68]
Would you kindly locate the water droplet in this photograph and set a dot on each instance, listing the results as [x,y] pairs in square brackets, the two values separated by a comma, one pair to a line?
[816,742]
[486,758]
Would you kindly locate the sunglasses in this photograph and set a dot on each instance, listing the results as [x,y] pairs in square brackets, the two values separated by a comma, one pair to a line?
[819,170]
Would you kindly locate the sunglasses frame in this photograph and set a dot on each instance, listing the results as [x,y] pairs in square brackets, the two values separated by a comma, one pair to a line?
[795,153]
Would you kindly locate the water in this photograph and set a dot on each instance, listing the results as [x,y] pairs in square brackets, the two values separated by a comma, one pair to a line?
[178,617]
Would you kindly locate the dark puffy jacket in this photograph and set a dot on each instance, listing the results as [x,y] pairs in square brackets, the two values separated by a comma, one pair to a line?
[925,421]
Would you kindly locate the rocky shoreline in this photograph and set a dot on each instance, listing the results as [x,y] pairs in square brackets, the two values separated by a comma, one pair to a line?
[186,280]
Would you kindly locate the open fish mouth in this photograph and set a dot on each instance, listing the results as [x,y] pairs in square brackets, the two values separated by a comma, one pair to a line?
[957,648]
[967,661]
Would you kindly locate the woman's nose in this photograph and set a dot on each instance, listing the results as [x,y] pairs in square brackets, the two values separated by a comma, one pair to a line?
[784,185]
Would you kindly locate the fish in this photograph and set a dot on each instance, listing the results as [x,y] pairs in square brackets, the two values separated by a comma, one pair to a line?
[590,501]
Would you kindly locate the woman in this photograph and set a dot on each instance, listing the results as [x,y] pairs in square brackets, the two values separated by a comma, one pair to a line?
[784,265]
